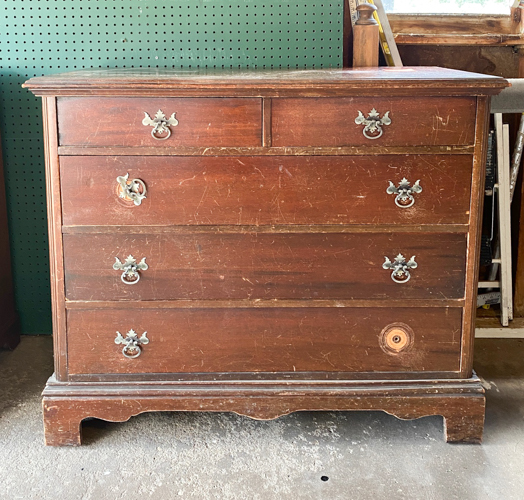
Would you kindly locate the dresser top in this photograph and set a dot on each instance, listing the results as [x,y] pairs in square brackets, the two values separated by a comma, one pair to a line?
[324,82]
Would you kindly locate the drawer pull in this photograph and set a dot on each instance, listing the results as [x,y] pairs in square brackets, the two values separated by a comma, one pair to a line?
[373,123]
[134,190]
[160,125]
[400,268]
[130,268]
[131,343]
[404,192]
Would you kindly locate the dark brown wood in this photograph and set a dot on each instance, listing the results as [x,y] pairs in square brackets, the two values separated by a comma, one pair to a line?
[499,60]
[259,303]
[365,37]
[264,266]
[460,402]
[265,292]
[266,123]
[263,151]
[265,191]
[54,222]
[331,122]
[347,40]
[474,240]
[453,24]
[9,324]
[460,40]
[89,121]
[265,83]
[234,229]
[277,340]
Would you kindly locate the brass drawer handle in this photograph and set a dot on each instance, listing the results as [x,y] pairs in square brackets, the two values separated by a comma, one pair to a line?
[373,123]
[131,190]
[130,268]
[400,268]
[160,125]
[131,343]
[404,192]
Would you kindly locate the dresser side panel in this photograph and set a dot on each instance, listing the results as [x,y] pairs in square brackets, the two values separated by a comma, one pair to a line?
[474,235]
[54,216]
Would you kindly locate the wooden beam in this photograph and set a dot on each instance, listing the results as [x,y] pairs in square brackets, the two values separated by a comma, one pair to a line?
[453,24]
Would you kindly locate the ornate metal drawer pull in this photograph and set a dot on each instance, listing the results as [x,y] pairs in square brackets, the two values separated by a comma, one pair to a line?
[400,268]
[373,123]
[131,343]
[134,190]
[404,192]
[130,268]
[160,125]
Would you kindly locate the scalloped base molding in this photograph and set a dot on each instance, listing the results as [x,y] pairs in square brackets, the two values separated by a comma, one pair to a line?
[461,402]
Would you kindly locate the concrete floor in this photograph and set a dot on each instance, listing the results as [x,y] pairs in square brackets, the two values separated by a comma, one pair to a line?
[363,455]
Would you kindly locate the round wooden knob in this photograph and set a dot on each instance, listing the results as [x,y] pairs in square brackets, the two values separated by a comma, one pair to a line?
[365,14]
[396,338]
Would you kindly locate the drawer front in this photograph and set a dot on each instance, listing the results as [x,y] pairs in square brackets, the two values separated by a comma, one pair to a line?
[266,190]
[430,121]
[266,340]
[201,122]
[210,265]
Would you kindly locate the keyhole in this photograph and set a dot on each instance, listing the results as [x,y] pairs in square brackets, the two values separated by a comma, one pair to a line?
[396,339]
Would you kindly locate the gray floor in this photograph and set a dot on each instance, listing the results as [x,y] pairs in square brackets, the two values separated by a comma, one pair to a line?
[363,455]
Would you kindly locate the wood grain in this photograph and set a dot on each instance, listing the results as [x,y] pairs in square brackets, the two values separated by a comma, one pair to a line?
[263,151]
[118,121]
[266,191]
[460,402]
[474,239]
[331,121]
[207,82]
[265,265]
[263,340]
[54,221]
[277,307]
[449,23]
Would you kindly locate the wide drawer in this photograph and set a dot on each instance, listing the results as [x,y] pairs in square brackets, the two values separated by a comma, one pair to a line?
[430,121]
[265,340]
[214,265]
[201,122]
[265,190]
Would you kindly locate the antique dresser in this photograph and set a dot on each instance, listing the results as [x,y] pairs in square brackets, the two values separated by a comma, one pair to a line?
[264,242]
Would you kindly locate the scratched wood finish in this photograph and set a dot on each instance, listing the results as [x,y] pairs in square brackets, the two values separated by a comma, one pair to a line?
[414,121]
[296,282]
[264,266]
[460,402]
[263,340]
[202,82]
[118,121]
[266,191]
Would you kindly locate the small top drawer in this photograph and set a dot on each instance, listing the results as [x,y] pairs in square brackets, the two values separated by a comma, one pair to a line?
[164,122]
[397,121]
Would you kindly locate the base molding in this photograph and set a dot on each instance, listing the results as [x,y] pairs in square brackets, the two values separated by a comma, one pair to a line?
[460,401]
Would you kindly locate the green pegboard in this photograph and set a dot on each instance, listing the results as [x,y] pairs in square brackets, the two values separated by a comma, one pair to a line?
[40,37]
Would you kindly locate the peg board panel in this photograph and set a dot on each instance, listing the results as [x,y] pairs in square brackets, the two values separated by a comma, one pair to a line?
[40,37]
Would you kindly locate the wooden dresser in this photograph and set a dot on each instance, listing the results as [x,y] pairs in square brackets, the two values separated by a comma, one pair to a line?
[264,242]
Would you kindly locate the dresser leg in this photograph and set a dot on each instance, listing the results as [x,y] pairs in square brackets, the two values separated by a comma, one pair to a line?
[466,425]
[62,423]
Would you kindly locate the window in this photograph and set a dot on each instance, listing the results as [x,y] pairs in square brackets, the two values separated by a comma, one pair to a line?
[448,6]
